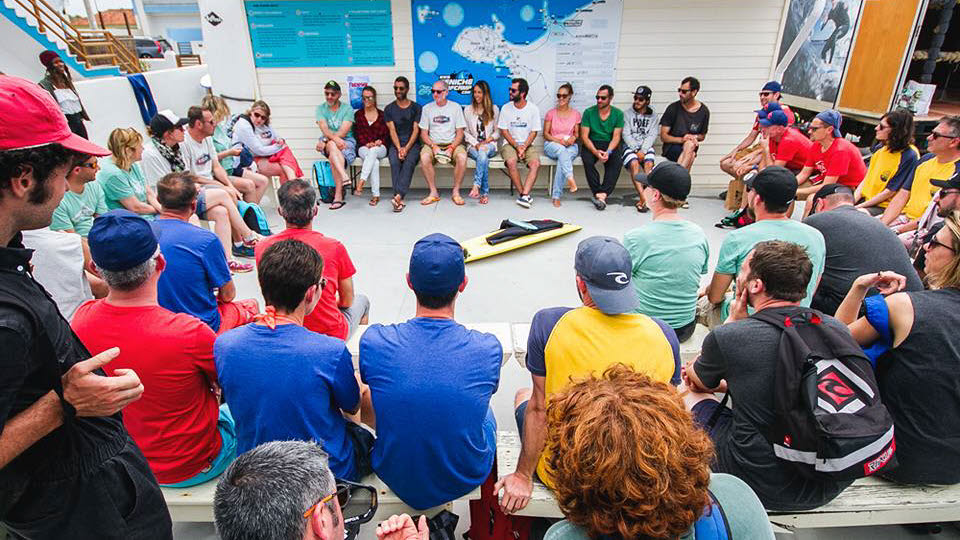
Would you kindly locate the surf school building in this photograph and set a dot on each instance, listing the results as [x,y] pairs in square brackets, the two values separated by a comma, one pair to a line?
[284,51]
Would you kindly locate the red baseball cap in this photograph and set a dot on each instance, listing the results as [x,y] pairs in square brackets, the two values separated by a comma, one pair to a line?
[32,118]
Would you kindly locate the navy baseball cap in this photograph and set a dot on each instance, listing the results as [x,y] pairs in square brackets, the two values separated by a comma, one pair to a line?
[436,265]
[767,109]
[772,86]
[774,118]
[605,266]
[120,240]
[831,118]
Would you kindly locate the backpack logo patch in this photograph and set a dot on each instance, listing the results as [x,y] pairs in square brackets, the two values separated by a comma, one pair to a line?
[837,388]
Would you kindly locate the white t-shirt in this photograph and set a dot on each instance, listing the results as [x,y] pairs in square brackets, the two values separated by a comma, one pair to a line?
[520,122]
[198,156]
[442,122]
[58,266]
[68,100]
[153,165]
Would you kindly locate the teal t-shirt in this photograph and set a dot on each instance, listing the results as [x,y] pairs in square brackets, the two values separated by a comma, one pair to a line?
[77,210]
[333,119]
[742,509]
[738,244]
[119,184]
[222,142]
[668,259]
[601,130]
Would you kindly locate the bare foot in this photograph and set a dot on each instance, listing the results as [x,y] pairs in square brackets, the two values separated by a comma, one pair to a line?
[474,192]
[572,185]
[556,203]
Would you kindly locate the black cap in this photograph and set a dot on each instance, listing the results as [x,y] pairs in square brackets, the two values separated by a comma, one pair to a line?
[332,85]
[828,190]
[669,178]
[952,182]
[775,185]
[643,91]
[164,121]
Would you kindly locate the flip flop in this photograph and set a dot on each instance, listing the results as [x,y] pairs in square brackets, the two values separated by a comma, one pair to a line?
[458,200]
[336,205]
[428,200]
[374,201]
[398,206]
[484,199]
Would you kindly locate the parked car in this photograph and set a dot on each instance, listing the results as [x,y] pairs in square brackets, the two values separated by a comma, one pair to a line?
[164,44]
[148,48]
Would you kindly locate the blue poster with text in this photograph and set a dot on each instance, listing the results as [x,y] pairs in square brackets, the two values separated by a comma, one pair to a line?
[320,33]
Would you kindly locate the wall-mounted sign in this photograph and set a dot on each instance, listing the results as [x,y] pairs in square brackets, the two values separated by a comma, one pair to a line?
[320,33]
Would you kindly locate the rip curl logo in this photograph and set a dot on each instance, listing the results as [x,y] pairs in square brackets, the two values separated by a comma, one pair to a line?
[880,461]
[832,387]
[619,277]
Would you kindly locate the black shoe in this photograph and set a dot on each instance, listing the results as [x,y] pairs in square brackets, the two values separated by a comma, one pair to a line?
[598,204]
[723,195]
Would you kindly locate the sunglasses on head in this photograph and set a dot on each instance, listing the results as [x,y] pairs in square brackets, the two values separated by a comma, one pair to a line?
[358,502]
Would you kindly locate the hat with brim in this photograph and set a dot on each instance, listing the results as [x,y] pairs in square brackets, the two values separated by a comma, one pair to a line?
[605,267]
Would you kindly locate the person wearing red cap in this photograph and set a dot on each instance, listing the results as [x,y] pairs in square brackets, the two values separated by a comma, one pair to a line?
[746,154]
[59,83]
[66,461]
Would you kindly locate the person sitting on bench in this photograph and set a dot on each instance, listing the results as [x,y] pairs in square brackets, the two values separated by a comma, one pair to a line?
[177,424]
[568,343]
[519,123]
[335,120]
[431,380]
[340,310]
[918,369]
[774,276]
[831,159]
[196,264]
[441,129]
[283,381]
[892,162]
[653,478]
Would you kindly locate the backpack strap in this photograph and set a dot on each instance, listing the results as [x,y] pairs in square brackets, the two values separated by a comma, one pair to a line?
[713,523]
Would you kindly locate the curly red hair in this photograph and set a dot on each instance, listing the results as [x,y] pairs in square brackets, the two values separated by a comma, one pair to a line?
[626,457]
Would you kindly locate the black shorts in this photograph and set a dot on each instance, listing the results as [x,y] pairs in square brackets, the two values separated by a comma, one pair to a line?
[362,447]
[519,413]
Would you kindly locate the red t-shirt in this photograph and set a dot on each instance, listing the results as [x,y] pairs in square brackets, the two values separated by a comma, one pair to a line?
[794,148]
[326,318]
[842,159]
[791,119]
[175,421]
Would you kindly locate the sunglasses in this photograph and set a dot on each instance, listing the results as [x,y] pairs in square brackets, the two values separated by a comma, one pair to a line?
[765,94]
[514,91]
[358,502]
[258,115]
[435,92]
[330,94]
[562,96]
[88,165]
[684,91]
[934,243]
[368,98]
[639,98]
[400,88]
[936,136]
[601,98]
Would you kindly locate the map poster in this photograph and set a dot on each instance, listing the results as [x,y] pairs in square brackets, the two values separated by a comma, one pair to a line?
[546,42]
[320,33]
[817,39]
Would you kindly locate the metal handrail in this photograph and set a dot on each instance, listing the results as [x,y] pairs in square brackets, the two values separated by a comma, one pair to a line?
[76,40]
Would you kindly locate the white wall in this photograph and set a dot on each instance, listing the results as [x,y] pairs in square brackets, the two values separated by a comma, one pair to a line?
[19,52]
[110,103]
[727,44]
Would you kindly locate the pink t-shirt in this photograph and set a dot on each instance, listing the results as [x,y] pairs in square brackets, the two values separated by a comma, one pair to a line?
[562,127]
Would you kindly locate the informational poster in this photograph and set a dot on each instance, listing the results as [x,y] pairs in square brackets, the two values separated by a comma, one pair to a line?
[817,40]
[320,33]
[546,43]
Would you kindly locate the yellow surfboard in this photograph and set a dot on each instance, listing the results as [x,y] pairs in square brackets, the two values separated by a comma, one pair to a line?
[478,248]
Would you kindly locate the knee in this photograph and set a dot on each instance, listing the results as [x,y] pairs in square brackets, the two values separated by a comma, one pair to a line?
[217,213]
[511,164]
[523,394]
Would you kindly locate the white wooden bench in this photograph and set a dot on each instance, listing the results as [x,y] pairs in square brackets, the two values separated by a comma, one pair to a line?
[500,330]
[868,502]
[195,504]
[689,349]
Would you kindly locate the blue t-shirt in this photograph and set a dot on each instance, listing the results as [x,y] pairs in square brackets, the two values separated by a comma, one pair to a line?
[289,384]
[195,266]
[431,381]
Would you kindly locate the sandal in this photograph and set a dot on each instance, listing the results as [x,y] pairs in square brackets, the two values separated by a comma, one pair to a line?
[484,199]
[556,203]
[598,203]
[398,205]
[474,192]
[428,200]
[374,201]
[336,205]
[458,200]
[237,267]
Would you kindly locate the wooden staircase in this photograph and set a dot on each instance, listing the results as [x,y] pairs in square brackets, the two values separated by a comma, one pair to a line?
[93,48]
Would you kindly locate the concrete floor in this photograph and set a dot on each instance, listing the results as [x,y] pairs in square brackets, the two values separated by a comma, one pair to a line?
[506,288]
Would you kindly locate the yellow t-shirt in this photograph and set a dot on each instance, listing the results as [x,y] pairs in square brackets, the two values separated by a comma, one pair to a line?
[921,190]
[888,170]
[568,344]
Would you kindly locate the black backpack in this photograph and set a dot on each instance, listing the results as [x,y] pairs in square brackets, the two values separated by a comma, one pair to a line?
[830,422]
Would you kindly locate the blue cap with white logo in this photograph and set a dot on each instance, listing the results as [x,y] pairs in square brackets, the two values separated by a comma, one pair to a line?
[604,265]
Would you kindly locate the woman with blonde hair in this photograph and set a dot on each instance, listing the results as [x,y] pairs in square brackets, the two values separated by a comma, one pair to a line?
[627,461]
[912,337]
[121,178]
[271,153]
[481,136]
[228,153]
